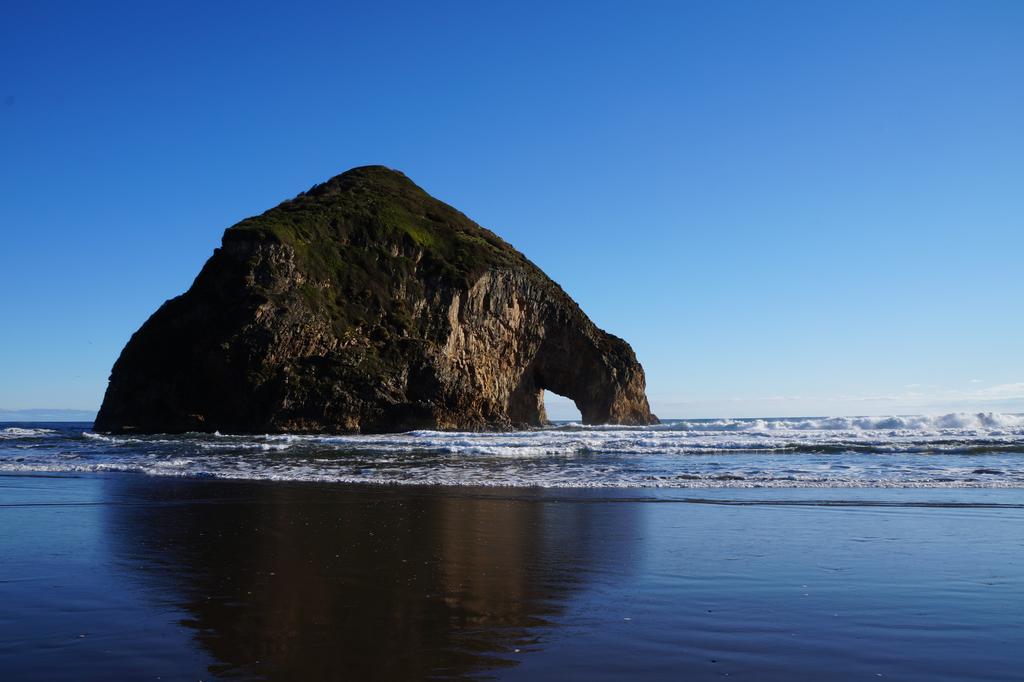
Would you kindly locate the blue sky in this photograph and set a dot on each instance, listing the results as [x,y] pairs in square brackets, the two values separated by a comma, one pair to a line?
[787,208]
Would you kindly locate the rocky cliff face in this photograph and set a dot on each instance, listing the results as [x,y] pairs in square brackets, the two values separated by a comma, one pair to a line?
[366,305]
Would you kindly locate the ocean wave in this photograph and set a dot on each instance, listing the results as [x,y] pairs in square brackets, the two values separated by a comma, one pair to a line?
[462,477]
[956,450]
[946,434]
[980,423]
[976,421]
[17,433]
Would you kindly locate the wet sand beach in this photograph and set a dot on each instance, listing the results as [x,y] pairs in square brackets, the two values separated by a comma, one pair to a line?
[127,576]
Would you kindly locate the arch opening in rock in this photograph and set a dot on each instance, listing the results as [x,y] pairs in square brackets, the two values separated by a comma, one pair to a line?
[561,409]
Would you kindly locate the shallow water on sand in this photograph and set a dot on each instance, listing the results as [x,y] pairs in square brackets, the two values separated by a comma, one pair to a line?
[983,450]
[126,576]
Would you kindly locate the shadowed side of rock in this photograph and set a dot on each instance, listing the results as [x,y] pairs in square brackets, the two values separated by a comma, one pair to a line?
[365,305]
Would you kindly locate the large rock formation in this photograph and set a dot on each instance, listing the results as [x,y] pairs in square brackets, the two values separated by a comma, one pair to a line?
[367,305]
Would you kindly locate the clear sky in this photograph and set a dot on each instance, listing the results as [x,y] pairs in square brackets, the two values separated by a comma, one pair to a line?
[787,208]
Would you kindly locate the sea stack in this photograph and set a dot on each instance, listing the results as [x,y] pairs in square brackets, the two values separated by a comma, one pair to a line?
[366,305]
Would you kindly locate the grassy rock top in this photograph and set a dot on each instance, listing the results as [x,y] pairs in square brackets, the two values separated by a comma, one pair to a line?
[370,206]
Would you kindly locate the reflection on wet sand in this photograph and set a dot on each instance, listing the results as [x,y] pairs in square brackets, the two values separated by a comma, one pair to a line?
[310,582]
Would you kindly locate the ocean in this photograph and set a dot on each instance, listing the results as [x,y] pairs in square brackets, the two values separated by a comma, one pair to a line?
[967,450]
[760,549]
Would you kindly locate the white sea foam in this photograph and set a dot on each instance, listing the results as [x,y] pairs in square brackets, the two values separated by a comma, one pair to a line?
[462,476]
[956,420]
[954,450]
[15,432]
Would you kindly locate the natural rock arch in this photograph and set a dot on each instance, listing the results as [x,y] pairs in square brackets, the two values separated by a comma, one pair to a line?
[366,305]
